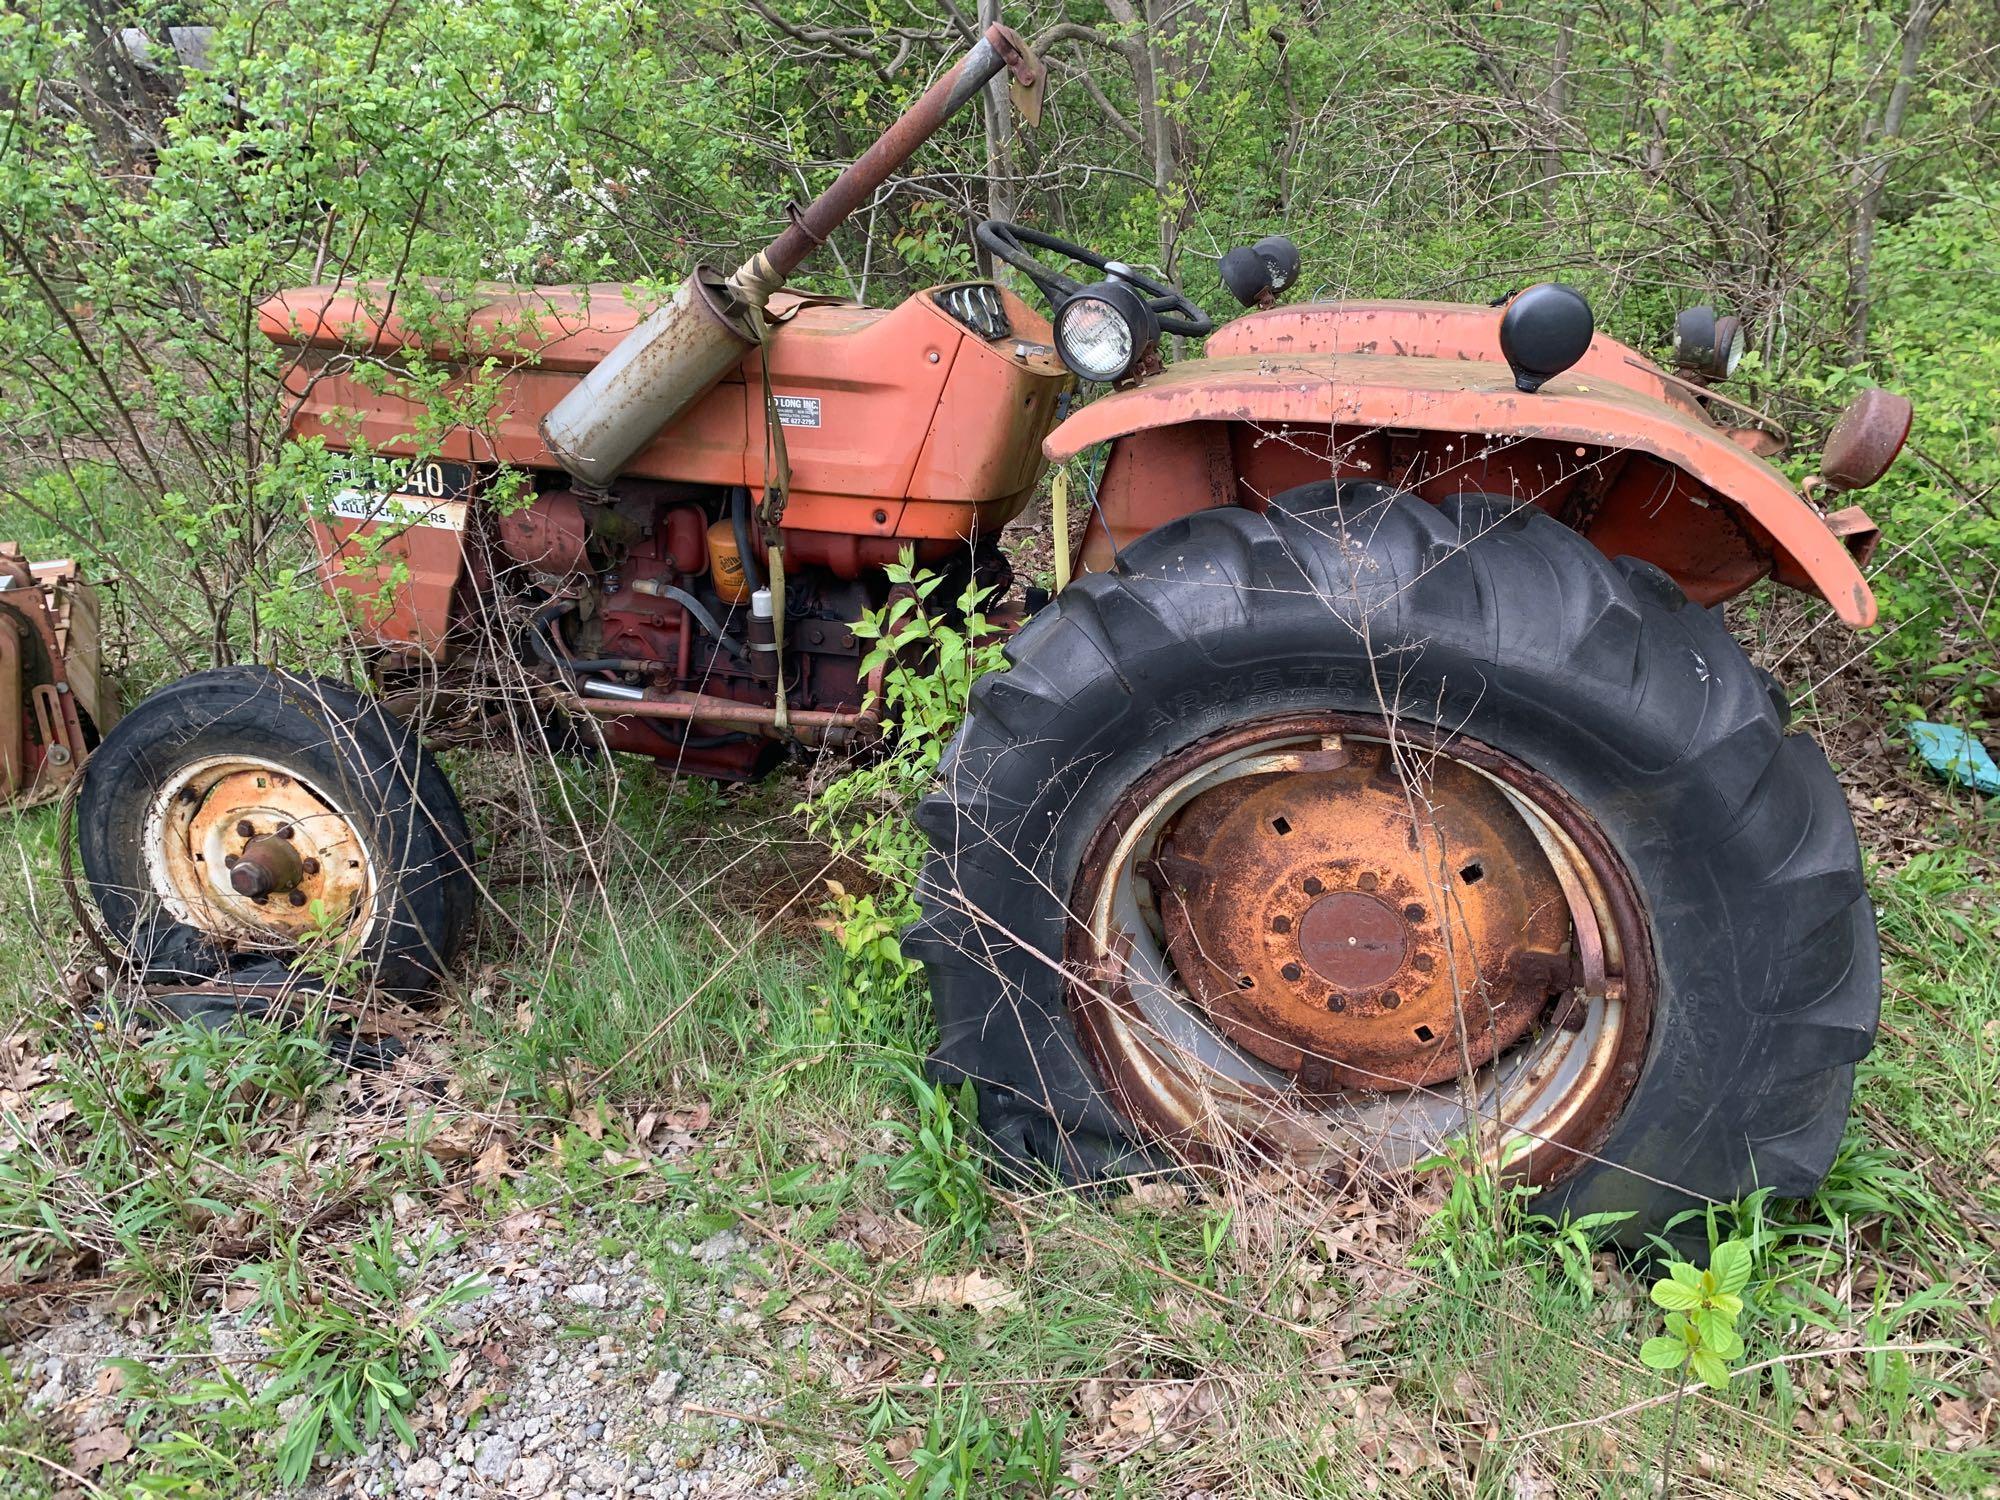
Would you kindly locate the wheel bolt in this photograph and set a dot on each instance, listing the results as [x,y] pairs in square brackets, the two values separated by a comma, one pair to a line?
[228,861]
[1281,924]
[1336,1003]
[1391,1000]
[284,830]
[245,829]
[1313,885]
[297,898]
[1292,972]
[310,866]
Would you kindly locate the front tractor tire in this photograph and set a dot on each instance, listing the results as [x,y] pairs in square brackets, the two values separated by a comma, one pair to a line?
[246,817]
[1323,833]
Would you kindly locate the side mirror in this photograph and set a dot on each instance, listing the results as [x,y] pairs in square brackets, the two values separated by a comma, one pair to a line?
[1866,439]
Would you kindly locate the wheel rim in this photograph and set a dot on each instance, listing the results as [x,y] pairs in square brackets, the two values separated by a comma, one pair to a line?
[245,849]
[1339,941]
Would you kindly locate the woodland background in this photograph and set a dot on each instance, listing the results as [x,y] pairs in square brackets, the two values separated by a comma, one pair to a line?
[756,1248]
[1826,168]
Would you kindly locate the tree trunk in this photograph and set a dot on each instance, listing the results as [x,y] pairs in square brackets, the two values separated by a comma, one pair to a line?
[1555,111]
[999,113]
[1874,174]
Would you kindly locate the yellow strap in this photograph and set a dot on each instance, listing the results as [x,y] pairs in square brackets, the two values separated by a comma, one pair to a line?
[775,580]
[1059,519]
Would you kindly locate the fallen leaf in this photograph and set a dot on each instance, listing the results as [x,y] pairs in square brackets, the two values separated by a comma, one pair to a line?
[519,1225]
[989,1296]
[110,1380]
[1163,1197]
[456,1138]
[1161,1414]
[491,1167]
[107,1445]
[803,1309]
[693,1120]
[238,1295]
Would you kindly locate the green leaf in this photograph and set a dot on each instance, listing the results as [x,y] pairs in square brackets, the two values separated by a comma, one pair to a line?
[1685,1274]
[1715,1329]
[1731,1265]
[1663,1353]
[1675,1297]
[1709,1366]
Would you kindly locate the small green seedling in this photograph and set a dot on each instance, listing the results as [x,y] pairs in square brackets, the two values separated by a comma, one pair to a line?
[1702,1308]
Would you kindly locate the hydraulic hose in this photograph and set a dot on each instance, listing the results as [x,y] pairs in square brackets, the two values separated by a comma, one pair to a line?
[697,611]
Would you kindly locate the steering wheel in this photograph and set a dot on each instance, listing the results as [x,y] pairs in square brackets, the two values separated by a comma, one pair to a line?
[1010,243]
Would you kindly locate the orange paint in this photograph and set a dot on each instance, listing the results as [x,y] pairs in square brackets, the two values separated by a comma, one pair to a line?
[1735,518]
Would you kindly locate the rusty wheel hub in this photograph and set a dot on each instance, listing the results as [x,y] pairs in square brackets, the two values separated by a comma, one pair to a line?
[1358,932]
[243,849]
[1331,939]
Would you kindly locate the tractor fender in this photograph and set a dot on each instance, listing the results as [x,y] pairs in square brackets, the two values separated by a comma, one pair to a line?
[1574,416]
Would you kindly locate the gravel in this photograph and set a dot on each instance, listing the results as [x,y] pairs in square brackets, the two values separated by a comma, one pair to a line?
[568,1383]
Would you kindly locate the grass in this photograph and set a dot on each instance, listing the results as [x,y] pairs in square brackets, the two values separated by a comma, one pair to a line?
[1258,1337]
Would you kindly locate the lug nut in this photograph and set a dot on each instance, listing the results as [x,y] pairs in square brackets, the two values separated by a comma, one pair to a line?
[1391,1000]
[245,829]
[228,861]
[284,830]
[1313,885]
[310,866]
[1292,972]
[297,898]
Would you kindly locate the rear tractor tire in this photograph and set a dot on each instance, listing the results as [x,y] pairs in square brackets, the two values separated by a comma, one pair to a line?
[1341,832]
[245,815]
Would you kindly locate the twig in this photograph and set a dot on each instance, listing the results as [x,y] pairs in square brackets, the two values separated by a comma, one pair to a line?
[1762,1364]
[751,1417]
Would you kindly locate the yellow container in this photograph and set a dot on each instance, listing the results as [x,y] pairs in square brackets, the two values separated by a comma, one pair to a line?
[725,564]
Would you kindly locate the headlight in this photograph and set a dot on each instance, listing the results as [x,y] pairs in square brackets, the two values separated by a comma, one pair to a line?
[1105,331]
[1707,345]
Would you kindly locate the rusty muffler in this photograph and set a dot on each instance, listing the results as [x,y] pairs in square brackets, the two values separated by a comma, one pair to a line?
[684,348]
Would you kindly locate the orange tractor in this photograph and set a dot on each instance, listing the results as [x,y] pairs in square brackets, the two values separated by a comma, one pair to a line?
[1383,774]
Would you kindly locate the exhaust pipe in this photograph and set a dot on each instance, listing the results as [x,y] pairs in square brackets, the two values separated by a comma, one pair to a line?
[681,351]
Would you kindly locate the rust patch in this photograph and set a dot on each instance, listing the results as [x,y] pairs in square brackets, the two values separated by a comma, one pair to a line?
[1338,914]
[1587,958]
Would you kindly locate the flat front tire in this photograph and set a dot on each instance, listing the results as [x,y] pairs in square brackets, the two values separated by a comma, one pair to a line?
[247,814]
